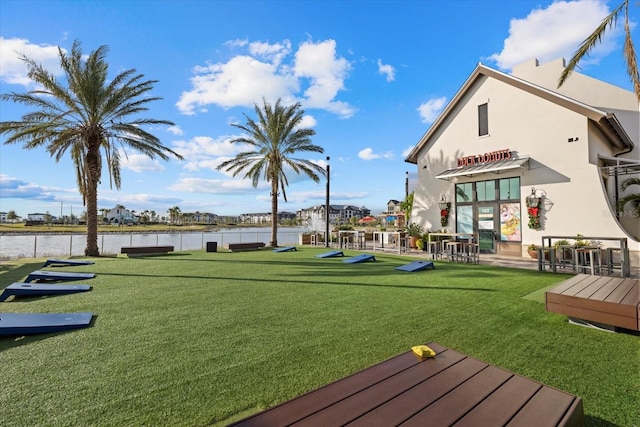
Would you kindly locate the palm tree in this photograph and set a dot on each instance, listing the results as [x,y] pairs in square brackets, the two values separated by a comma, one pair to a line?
[632,199]
[174,214]
[88,116]
[596,37]
[274,139]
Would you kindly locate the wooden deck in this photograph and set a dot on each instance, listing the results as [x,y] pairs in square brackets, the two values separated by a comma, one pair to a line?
[451,388]
[610,301]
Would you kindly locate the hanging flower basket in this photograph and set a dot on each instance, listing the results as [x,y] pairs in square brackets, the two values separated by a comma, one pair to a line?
[534,216]
[444,217]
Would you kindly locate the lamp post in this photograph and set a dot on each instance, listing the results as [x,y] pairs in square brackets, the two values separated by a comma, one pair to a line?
[326,209]
[406,184]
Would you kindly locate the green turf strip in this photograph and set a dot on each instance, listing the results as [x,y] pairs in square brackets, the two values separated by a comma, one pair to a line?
[196,338]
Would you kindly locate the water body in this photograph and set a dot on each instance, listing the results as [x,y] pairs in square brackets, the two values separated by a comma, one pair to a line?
[51,245]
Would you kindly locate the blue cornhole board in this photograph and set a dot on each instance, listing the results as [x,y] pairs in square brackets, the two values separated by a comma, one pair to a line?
[286,249]
[51,275]
[42,323]
[417,266]
[360,258]
[330,254]
[65,262]
[35,289]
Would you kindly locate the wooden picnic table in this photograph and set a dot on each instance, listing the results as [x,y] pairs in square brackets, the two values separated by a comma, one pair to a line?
[406,390]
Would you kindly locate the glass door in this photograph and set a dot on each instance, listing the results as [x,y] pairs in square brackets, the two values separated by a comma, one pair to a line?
[486,228]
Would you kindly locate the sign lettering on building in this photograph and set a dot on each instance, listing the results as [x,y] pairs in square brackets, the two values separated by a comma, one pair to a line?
[494,156]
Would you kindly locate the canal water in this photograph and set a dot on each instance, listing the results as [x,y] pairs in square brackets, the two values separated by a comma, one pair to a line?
[50,245]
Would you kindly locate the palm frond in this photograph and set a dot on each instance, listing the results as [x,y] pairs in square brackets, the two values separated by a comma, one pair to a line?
[590,42]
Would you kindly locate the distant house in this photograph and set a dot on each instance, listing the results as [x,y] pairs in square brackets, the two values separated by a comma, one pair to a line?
[119,215]
[3,217]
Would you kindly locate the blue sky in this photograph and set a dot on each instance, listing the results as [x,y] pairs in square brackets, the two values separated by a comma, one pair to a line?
[371,75]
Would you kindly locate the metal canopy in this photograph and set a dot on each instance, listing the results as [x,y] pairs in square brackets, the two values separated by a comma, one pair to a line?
[495,167]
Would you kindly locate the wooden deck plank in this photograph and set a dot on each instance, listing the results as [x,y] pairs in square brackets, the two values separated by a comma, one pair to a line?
[412,400]
[606,289]
[587,280]
[569,283]
[502,404]
[316,400]
[463,398]
[554,404]
[620,292]
[600,283]
[439,391]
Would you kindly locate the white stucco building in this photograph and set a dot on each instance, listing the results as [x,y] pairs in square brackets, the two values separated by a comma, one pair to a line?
[503,136]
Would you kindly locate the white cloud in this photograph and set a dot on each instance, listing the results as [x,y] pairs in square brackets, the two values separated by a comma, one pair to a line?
[216,186]
[242,81]
[386,70]
[14,71]
[203,152]
[307,122]
[556,32]
[264,73]
[429,110]
[175,130]
[273,53]
[368,154]
[318,62]
[140,163]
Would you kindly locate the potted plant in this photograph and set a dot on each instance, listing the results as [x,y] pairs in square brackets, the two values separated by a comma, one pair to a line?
[532,250]
[562,252]
[414,231]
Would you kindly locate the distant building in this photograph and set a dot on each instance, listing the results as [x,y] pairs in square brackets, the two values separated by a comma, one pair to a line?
[338,214]
[264,217]
[120,215]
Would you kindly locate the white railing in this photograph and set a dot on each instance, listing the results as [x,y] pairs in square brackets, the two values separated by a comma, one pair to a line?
[47,245]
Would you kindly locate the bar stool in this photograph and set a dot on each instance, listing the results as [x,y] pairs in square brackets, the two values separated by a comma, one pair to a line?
[612,264]
[588,260]
[547,256]
[566,256]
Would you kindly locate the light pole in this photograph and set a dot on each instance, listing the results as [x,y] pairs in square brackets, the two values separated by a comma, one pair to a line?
[406,184]
[326,209]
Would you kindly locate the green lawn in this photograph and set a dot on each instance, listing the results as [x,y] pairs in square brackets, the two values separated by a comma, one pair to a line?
[196,338]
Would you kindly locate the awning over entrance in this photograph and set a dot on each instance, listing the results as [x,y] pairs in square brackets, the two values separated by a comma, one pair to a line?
[495,167]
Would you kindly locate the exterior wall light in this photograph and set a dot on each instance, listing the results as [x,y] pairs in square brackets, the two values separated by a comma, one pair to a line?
[534,210]
[445,210]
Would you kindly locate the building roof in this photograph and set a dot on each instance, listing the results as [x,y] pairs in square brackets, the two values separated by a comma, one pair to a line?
[605,121]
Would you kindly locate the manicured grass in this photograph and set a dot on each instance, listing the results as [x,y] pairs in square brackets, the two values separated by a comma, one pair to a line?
[193,339]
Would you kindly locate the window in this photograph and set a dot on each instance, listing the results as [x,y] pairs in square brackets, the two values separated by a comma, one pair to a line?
[486,190]
[510,188]
[464,192]
[483,119]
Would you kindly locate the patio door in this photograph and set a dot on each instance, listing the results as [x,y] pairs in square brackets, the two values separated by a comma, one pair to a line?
[487,220]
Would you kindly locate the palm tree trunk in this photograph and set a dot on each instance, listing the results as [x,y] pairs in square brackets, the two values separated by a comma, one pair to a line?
[274,213]
[93,156]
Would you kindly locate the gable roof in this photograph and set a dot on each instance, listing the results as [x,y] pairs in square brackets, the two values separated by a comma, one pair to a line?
[605,121]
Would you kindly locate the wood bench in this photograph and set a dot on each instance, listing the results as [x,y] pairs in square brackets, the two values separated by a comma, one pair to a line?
[612,301]
[451,388]
[244,246]
[145,250]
